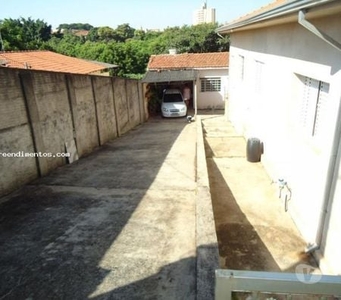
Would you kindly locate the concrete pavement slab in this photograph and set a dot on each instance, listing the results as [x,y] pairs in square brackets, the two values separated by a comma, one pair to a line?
[254,231]
[118,224]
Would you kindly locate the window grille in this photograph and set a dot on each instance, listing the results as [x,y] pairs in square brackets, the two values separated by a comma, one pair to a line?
[321,108]
[313,106]
[210,85]
[241,67]
[259,77]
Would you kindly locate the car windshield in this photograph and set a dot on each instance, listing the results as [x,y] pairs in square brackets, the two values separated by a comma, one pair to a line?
[169,98]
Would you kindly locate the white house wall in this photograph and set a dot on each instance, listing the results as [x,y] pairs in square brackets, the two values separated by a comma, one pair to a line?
[212,100]
[269,71]
[330,246]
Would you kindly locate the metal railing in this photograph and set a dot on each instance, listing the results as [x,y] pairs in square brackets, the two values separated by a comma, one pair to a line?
[311,285]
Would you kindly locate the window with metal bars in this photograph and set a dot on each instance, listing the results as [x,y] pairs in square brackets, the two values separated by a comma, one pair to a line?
[241,62]
[259,66]
[313,108]
[210,84]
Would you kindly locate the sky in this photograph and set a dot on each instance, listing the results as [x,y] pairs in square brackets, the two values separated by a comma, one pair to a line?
[139,14]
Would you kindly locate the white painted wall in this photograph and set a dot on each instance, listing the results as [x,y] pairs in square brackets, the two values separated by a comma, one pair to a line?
[264,101]
[209,100]
[330,246]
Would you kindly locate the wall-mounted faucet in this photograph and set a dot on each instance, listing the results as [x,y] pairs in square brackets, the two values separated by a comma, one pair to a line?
[283,184]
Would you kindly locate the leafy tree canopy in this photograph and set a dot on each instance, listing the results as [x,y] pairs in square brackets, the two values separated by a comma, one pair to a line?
[124,46]
[76,26]
[24,34]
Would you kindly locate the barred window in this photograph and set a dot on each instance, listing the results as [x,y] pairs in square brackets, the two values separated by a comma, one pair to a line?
[210,84]
[241,62]
[313,110]
[259,70]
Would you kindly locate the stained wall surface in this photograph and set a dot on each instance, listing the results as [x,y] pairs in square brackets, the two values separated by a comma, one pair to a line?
[43,112]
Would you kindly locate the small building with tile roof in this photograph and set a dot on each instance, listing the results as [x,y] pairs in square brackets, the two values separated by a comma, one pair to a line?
[50,61]
[206,74]
[285,90]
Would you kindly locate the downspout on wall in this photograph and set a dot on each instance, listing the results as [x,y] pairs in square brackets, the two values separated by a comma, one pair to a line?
[319,33]
[195,96]
[337,140]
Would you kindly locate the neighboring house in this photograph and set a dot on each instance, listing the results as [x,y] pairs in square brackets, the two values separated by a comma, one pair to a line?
[285,89]
[80,32]
[51,61]
[205,73]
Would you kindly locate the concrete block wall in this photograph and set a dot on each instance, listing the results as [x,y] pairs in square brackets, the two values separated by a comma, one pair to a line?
[105,108]
[42,111]
[121,104]
[15,134]
[84,113]
[134,106]
[48,107]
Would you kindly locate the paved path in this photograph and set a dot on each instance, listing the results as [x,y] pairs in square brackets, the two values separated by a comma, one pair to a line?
[118,224]
[133,220]
[254,231]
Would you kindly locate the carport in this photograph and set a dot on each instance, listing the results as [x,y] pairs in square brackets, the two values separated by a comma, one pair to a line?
[162,79]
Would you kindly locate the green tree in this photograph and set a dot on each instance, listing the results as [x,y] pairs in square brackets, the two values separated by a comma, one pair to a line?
[124,46]
[93,35]
[124,32]
[192,39]
[139,34]
[69,44]
[76,26]
[106,33]
[24,34]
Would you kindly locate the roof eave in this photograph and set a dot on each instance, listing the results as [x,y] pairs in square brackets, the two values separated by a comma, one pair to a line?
[280,14]
[187,68]
[213,68]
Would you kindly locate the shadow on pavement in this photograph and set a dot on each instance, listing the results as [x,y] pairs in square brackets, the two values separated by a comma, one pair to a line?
[241,242]
[56,232]
[240,246]
[164,284]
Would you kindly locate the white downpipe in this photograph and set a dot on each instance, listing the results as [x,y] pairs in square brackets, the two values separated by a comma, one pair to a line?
[195,99]
[331,173]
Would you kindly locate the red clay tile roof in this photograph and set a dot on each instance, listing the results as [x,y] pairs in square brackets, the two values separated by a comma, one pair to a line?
[47,61]
[189,61]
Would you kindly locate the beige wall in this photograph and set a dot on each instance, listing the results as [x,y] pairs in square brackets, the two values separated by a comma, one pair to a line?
[267,68]
[15,134]
[84,113]
[212,100]
[105,107]
[42,111]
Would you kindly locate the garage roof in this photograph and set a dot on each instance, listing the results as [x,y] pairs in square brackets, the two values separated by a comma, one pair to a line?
[182,61]
[170,75]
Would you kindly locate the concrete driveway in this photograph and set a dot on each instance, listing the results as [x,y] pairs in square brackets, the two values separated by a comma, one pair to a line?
[134,219]
[118,224]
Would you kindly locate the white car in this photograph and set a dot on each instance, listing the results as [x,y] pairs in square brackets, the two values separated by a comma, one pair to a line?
[173,104]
